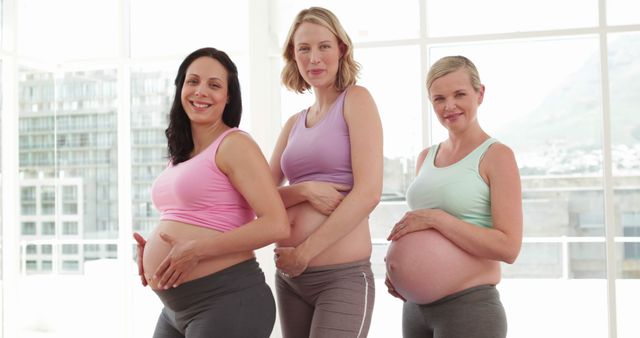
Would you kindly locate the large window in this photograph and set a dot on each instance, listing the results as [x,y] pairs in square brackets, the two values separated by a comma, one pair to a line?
[623,72]
[88,100]
[552,118]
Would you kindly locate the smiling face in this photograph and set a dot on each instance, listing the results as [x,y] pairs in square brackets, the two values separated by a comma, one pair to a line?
[204,93]
[317,54]
[455,101]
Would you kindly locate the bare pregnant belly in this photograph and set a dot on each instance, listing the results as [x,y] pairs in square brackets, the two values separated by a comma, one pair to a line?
[425,266]
[156,250]
[304,220]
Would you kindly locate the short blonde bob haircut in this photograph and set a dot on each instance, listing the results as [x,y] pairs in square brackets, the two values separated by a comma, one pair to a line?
[348,68]
[450,64]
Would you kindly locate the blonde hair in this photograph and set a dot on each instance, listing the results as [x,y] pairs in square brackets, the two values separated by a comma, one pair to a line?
[450,64]
[348,68]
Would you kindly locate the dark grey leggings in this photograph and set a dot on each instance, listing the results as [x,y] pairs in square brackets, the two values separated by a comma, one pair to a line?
[472,313]
[334,301]
[232,303]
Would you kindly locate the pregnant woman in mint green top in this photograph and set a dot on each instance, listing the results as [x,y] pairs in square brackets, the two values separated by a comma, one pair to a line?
[465,218]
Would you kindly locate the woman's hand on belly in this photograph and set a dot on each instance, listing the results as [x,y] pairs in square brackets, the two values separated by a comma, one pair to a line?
[180,261]
[392,289]
[324,196]
[140,243]
[415,220]
[304,219]
[167,257]
[290,262]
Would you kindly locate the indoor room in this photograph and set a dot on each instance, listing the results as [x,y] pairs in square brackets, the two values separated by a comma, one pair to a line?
[87,88]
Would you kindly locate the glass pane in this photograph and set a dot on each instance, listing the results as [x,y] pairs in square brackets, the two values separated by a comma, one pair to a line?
[399,108]
[536,105]
[381,221]
[623,12]
[151,96]
[401,20]
[68,170]
[242,63]
[547,108]
[402,140]
[624,50]
[188,25]
[152,92]
[46,249]
[444,17]
[539,260]
[67,29]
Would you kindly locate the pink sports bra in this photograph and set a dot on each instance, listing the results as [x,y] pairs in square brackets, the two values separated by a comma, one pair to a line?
[197,192]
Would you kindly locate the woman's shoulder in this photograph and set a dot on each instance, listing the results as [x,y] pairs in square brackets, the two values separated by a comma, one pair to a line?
[421,157]
[423,154]
[236,141]
[499,150]
[498,156]
[357,92]
[291,121]
[293,118]
[358,102]
[237,148]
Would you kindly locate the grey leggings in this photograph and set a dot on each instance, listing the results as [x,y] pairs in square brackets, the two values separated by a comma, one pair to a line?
[334,301]
[472,313]
[232,303]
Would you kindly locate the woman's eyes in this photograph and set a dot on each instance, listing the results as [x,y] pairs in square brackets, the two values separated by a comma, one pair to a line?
[438,99]
[193,82]
[306,49]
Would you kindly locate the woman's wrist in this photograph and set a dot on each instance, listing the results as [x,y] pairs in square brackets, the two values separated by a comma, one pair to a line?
[437,218]
[305,189]
[304,251]
[203,250]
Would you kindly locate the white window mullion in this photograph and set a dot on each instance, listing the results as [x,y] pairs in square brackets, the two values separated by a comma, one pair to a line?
[10,181]
[123,132]
[609,210]
[10,190]
[424,68]
[264,80]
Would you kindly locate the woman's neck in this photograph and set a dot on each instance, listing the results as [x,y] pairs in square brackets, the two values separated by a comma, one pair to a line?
[325,97]
[203,135]
[469,138]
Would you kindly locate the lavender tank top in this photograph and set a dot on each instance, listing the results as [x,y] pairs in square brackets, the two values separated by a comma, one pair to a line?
[321,152]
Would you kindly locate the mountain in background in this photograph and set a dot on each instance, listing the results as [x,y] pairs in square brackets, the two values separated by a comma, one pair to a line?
[572,114]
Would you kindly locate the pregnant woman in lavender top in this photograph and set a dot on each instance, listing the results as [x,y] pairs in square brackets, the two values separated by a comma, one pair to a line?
[331,156]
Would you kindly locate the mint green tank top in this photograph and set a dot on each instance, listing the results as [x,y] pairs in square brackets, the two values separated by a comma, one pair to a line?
[457,189]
